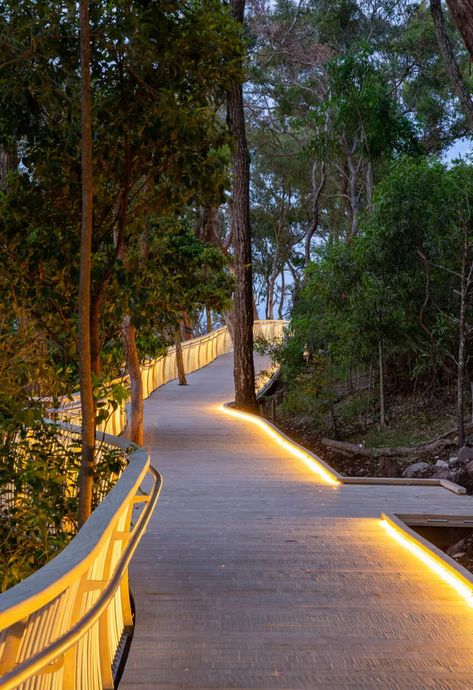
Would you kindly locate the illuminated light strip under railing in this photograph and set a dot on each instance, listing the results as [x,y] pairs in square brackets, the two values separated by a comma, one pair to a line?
[416,548]
[295,450]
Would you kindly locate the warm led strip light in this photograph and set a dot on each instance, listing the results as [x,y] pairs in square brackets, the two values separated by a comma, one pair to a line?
[442,571]
[284,443]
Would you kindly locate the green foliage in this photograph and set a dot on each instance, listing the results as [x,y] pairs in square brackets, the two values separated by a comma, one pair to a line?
[397,283]
[159,72]
[38,495]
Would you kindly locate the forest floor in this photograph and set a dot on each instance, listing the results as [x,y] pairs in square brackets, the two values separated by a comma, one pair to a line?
[411,421]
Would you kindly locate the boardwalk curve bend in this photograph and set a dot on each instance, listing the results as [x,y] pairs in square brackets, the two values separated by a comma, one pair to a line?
[256,573]
[66,626]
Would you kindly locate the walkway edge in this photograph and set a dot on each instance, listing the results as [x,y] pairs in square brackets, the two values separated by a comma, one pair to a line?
[392,481]
[436,559]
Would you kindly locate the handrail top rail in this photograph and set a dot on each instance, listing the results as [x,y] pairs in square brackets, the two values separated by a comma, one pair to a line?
[75,402]
[54,577]
[57,575]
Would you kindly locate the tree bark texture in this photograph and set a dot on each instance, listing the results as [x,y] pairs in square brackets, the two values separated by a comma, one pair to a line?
[451,65]
[317,189]
[462,13]
[136,382]
[8,163]
[244,372]
[86,474]
[208,313]
[186,327]
[283,295]
[181,372]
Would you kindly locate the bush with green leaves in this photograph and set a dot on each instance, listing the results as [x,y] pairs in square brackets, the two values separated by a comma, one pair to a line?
[397,285]
[39,467]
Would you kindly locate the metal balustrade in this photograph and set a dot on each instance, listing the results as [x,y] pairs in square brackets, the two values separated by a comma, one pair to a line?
[65,626]
[196,353]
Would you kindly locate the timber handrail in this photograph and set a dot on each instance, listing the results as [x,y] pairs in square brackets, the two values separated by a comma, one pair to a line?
[78,604]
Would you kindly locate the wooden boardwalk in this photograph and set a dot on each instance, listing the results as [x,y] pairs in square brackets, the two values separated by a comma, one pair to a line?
[254,574]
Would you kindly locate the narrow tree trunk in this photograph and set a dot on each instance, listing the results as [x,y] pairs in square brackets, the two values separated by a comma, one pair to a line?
[86,474]
[462,13]
[471,394]
[317,189]
[272,283]
[208,312]
[186,327]
[369,183]
[353,192]
[283,295]
[381,386]
[244,373]
[136,381]
[451,65]
[181,373]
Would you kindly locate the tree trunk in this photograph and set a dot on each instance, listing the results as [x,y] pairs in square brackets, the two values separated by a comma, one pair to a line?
[369,183]
[471,394]
[451,65]
[283,295]
[381,386]
[353,193]
[271,286]
[86,474]
[8,163]
[186,327]
[462,13]
[244,372]
[317,189]
[181,372]
[136,381]
[208,312]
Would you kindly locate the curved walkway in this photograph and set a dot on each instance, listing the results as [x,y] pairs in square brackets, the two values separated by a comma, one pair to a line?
[253,574]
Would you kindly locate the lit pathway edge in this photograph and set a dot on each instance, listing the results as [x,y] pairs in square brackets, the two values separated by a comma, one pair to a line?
[433,558]
[436,560]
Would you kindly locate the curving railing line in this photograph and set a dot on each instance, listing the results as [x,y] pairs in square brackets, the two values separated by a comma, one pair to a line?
[196,353]
[65,626]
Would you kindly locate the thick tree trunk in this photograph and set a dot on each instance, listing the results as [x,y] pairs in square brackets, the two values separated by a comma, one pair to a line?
[181,372]
[462,13]
[136,382]
[451,65]
[244,373]
[86,474]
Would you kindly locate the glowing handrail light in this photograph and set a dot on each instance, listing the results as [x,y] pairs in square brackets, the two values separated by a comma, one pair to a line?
[310,461]
[448,576]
